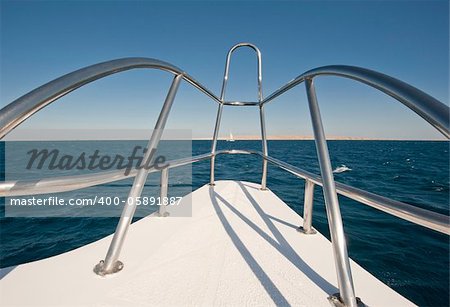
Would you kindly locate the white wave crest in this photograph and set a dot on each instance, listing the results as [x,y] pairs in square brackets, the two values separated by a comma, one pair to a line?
[341,169]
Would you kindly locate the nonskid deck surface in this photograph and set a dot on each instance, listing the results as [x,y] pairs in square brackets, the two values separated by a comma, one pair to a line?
[240,247]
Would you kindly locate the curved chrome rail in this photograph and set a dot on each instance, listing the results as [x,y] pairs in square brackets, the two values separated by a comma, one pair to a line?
[427,107]
[227,70]
[22,108]
[433,111]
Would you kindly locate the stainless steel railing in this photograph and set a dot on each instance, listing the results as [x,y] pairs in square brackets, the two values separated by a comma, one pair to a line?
[416,215]
[433,111]
[111,263]
[22,108]
[430,109]
[223,102]
[427,107]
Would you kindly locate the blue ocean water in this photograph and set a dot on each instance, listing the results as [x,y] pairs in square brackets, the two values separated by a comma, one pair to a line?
[411,259]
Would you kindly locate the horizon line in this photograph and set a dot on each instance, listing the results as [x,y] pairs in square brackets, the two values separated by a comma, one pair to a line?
[311,138]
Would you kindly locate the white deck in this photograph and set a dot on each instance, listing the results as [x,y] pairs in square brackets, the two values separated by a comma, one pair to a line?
[240,247]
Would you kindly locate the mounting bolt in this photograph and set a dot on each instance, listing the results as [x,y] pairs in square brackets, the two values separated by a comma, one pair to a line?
[336,301]
[164,214]
[306,232]
[99,268]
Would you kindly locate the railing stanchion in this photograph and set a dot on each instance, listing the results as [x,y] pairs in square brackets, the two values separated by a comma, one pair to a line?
[212,165]
[111,264]
[214,142]
[164,186]
[344,275]
[264,147]
[308,208]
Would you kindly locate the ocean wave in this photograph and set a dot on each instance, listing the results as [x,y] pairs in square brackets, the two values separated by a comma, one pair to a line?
[341,169]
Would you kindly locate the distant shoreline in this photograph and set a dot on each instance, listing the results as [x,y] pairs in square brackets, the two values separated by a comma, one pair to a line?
[310,138]
[243,138]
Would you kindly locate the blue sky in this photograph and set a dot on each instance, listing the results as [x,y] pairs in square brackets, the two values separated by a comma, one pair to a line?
[409,40]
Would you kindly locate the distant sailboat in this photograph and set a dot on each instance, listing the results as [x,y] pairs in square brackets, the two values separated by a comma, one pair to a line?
[231,138]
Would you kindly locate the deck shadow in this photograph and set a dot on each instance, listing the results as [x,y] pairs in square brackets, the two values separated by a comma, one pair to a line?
[280,244]
[271,289]
[6,271]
